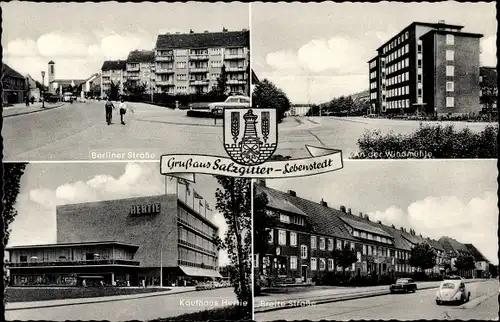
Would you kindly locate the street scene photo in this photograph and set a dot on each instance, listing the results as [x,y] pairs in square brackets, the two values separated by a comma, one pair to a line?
[121,242]
[378,240]
[379,80]
[121,81]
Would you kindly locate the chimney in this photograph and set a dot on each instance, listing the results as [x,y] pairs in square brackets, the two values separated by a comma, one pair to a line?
[244,29]
[402,229]
[324,203]
[224,29]
[292,193]
[441,22]
[367,217]
[349,211]
[191,31]
[261,182]
[360,215]
[206,31]
[394,227]
[380,222]
[342,208]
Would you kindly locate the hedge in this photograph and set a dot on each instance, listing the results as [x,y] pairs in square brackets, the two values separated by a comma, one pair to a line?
[230,313]
[203,114]
[430,141]
[166,100]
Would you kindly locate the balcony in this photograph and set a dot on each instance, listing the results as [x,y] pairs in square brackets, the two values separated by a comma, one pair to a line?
[235,69]
[169,82]
[133,68]
[198,57]
[198,82]
[97,262]
[236,82]
[165,70]
[165,58]
[133,77]
[235,56]
[198,69]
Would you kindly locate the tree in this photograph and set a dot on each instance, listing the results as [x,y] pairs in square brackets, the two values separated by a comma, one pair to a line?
[95,90]
[114,91]
[493,269]
[135,88]
[464,261]
[267,95]
[234,202]
[344,257]
[12,174]
[222,82]
[422,256]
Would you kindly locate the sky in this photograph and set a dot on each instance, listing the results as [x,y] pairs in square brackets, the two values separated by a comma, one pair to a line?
[317,51]
[46,185]
[457,199]
[78,37]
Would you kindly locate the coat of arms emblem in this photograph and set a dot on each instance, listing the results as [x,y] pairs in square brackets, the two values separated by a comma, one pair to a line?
[250,135]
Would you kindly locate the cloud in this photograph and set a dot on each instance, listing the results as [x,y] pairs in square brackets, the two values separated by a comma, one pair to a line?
[489,51]
[282,60]
[472,221]
[22,48]
[220,221]
[59,44]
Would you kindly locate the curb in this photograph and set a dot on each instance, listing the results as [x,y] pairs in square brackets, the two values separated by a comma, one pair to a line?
[95,300]
[475,302]
[304,302]
[35,111]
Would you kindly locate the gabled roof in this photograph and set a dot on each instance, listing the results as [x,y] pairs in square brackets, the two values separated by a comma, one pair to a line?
[324,220]
[282,204]
[363,225]
[204,40]
[435,244]
[114,65]
[478,256]
[399,241]
[451,245]
[9,72]
[51,62]
[141,56]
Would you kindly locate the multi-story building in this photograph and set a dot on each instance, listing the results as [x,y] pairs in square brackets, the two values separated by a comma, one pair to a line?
[427,67]
[113,71]
[453,249]
[141,68]
[122,242]
[14,86]
[299,110]
[192,63]
[482,264]
[488,83]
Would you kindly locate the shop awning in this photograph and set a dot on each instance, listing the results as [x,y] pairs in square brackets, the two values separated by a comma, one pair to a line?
[200,272]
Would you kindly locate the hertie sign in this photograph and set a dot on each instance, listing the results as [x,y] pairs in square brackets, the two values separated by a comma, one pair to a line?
[148,209]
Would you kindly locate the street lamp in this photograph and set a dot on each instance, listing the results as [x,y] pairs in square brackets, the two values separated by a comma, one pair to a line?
[43,85]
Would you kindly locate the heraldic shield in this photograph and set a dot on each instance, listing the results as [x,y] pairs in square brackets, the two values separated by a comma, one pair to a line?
[250,135]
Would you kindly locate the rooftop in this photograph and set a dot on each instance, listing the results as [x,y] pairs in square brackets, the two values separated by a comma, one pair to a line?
[114,65]
[204,40]
[10,72]
[58,245]
[141,56]
[478,256]
[363,225]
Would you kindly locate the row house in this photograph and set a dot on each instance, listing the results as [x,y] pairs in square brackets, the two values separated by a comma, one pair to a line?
[453,249]
[14,86]
[482,264]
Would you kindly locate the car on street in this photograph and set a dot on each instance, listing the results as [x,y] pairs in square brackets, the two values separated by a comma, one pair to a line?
[403,285]
[452,291]
[236,101]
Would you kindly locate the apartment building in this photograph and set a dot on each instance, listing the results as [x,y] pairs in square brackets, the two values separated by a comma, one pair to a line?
[113,71]
[140,68]
[192,63]
[430,68]
[488,83]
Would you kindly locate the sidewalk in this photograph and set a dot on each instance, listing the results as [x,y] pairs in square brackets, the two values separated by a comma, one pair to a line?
[54,303]
[280,301]
[21,108]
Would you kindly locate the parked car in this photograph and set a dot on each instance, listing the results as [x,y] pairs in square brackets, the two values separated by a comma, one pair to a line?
[403,285]
[452,291]
[232,101]
[51,98]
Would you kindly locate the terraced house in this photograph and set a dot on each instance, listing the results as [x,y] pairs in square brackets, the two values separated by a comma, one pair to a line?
[192,62]
[305,233]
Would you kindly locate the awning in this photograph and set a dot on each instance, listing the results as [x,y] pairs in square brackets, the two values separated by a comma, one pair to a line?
[200,272]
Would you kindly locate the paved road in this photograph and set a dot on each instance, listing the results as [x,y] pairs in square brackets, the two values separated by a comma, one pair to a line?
[141,309]
[411,306]
[74,131]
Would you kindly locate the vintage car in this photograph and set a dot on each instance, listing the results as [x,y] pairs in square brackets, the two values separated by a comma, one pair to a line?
[403,285]
[452,291]
[237,101]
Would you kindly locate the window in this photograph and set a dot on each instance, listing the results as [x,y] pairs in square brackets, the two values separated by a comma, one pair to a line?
[419,63]
[215,51]
[181,64]
[271,235]
[450,70]
[450,55]
[293,239]
[364,249]
[23,258]
[313,264]
[363,234]
[313,242]
[293,262]
[450,39]
[216,64]
[330,244]
[181,77]
[356,233]
[450,102]
[303,251]
[450,86]
[322,264]
[419,78]
[407,90]
[339,244]
[330,264]
[370,236]
[281,237]
[181,52]
[322,243]
[284,218]
[419,92]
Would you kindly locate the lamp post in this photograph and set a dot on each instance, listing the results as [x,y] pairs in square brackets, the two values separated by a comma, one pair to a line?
[43,85]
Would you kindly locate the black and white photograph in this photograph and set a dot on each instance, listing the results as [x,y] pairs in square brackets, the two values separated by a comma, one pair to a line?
[379,240]
[120,81]
[120,242]
[383,80]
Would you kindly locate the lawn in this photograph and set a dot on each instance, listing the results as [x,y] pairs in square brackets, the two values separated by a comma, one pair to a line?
[29,294]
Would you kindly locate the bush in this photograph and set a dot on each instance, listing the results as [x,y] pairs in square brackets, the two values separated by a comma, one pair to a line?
[230,313]
[430,141]
[203,114]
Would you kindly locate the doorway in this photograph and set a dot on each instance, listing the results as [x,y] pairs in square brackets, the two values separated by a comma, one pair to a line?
[304,273]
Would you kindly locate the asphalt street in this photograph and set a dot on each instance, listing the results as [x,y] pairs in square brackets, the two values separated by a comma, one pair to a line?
[78,131]
[141,309]
[411,306]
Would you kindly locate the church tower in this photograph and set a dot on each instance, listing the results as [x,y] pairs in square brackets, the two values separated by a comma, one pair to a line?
[52,72]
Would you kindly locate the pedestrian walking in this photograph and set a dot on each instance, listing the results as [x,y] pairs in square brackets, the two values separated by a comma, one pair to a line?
[109,110]
[123,110]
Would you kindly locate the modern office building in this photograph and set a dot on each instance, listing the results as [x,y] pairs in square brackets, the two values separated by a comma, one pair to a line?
[141,68]
[113,71]
[430,68]
[130,241]
[192,62]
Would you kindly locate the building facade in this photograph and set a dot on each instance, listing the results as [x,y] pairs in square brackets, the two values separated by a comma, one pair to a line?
[488,83]
[14,86]
[192,63]
[140,69]
[129,241]
[113,71]
[33,88]
[430,68]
